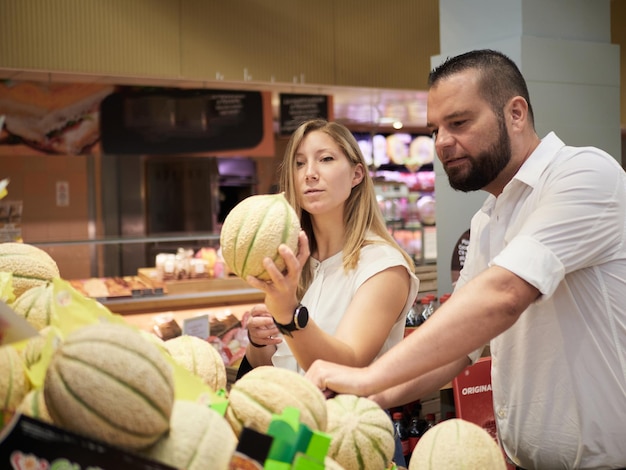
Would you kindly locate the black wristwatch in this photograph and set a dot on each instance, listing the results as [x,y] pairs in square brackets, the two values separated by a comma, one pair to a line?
[299,321]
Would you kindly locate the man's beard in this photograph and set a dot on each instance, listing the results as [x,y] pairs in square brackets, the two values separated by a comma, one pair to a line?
[484,167]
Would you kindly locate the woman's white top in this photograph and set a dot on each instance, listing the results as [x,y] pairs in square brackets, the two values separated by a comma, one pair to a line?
[332,289]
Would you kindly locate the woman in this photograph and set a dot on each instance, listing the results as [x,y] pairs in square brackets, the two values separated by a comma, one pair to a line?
[344,297]
[357,285]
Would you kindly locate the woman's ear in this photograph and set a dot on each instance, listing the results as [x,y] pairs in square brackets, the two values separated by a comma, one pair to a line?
[359,174]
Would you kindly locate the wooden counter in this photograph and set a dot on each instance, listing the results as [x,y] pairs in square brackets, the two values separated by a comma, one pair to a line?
[185,295]
[193,294]
[167,302]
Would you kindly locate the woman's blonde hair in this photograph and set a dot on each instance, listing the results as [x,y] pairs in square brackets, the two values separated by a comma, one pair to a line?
[361,212]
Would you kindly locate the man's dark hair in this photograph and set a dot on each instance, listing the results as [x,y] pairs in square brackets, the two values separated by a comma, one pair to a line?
[500,78]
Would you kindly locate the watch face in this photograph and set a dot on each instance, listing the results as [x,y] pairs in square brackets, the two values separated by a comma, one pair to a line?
[301,317]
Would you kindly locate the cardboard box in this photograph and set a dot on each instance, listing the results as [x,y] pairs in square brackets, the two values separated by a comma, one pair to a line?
[472,395]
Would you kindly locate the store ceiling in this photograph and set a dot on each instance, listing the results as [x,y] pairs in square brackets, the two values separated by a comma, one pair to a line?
[367,107]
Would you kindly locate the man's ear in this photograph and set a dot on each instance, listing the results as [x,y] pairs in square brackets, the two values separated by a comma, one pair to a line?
[517,112]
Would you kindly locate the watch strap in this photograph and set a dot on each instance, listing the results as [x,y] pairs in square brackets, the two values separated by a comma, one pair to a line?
[286,329]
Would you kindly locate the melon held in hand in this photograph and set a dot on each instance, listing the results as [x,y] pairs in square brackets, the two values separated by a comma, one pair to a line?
[254,229]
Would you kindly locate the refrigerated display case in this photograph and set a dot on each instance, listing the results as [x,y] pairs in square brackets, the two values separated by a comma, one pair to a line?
[410,218]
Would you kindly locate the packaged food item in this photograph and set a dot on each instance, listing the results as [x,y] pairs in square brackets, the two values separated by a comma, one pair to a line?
[166,327]
[165,266]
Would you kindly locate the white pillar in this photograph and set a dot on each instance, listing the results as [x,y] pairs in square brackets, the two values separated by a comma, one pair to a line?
[564,50]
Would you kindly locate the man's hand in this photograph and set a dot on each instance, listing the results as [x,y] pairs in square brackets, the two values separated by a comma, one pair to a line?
[333,378]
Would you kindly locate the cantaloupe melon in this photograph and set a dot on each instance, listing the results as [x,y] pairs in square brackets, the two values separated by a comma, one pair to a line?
[330,464]
[254,229]
[199,438]
[267,390]
[31,266]
[35,305]
[31,354]
[361,431]
[200,358]
[109,382]
[34,405]
[14,384]
[457,443]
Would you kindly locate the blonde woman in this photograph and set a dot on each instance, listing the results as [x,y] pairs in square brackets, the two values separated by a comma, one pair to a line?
[345,294]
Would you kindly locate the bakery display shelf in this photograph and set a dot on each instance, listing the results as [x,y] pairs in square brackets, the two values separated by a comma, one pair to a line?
[200,294]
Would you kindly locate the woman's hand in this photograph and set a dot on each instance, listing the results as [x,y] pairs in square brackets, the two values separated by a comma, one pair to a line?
[281,292]
[261,328]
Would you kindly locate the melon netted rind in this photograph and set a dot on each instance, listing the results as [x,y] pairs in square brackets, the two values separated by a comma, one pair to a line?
[457,443]
[109,382]
[31,353]
[199,438]
[35,305]
[254,229]
[34,405]
[330,464]
[14,384]
[30,266]
[200,358]
[361,433]
[268,390]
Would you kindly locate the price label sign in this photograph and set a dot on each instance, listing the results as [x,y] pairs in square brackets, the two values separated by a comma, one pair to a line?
[197,326]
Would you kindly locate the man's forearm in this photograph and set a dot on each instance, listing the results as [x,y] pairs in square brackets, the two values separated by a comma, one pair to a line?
[476,313]
[419,387]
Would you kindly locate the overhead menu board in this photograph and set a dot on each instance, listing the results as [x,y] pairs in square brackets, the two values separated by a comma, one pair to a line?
[297,108]
[166,121]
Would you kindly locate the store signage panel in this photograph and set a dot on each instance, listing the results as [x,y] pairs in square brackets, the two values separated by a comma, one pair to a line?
[50,118]
[175,121]
[30,443]
[297,108]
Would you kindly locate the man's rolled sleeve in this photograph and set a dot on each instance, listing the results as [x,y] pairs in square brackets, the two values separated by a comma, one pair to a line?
[532,261]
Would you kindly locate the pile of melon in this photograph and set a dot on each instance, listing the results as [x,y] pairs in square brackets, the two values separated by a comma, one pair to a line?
[114,383]
[26,269]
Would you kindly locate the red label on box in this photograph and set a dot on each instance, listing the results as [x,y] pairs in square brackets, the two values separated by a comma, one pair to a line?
[473,397]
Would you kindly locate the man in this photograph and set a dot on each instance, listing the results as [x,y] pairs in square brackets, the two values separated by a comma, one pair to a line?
[544,281]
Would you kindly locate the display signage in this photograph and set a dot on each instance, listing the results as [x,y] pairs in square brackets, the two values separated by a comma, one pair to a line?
[458,255]
[297,108]
[178,121]
[28,443]
[50,118]
[197,326]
